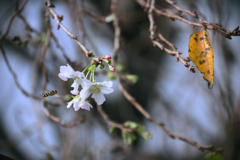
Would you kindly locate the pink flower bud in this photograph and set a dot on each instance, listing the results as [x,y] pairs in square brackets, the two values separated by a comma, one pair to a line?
[108,57]
[113,69]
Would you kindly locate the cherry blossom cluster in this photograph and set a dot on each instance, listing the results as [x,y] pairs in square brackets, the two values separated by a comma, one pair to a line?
[89,86]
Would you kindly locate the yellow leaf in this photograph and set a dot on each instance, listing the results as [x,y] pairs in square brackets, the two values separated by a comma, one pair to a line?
[201,54]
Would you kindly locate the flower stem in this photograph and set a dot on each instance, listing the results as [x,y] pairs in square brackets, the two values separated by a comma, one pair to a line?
[93,74]
[86,68]
[88,74]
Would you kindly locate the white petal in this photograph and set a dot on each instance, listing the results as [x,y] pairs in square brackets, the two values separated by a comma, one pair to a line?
[69,67]
[84,93]
[80,75]
[69,104]
[108,83]
[75,89]
[63,69]
[106,90]
[86,105]
[67,71]
[87,83]
[99,98]
[74,92]
[76,105]
[62,77]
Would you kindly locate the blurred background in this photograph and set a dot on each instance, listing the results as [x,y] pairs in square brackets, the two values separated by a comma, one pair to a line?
[166,89]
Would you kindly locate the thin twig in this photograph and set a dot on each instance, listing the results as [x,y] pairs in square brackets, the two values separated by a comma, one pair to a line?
[117,31]
[56,119]
[138,106]
[44,52]
[69,33]
[11,20]
[15,77]
[60,47]
[111,123]
[130,98]
[204,24]
[154,35]
[4,53]
[79,12]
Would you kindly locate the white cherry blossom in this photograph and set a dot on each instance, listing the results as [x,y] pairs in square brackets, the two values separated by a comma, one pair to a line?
[97,89]
[79,103]
[78,80]
[66,72]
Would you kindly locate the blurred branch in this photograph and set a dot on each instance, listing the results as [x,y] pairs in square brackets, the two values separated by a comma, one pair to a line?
[28,29]
[156,36]
[131,99]
[4,53]
[15,76]
[60,47]
[58,19]
[44,52]
[56,119]
[179,16]
[46,45]
[79,12]
[139,107]
[205,24]
[117,31]
[11,20]
[111,123]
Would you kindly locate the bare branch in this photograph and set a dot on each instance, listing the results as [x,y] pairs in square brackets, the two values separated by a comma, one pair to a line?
[11,20]
[117,31]
[15,77]
[56,119]
[4,53]
[154,35]
[137,105]
[111,123]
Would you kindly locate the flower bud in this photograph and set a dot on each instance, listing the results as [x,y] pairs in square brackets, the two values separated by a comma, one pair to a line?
[108,57]
[90,54]
[111,68]
[101,66]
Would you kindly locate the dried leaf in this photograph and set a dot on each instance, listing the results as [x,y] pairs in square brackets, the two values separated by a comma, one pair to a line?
[201,54]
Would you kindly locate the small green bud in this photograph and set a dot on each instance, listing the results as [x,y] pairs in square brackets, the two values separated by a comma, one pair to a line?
[128,137]
[111,76]
[120,68]
[111,129]
[213,156]
[146,135]
[108,61]
[130,124]
[132,78]
[68,97]
[101,66]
